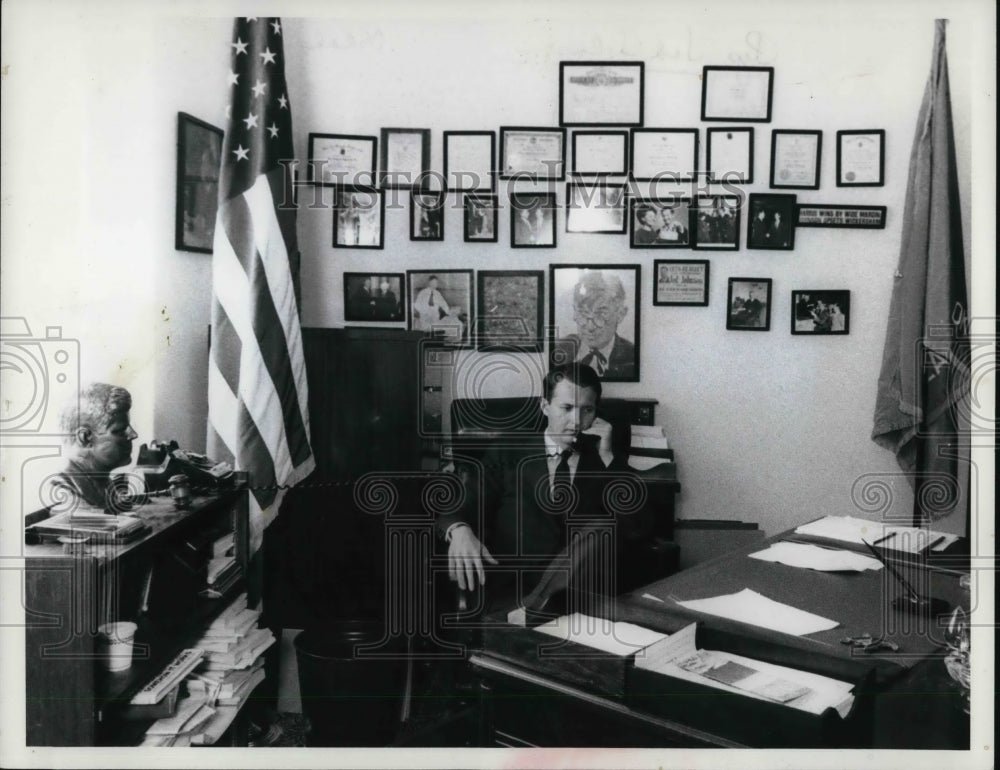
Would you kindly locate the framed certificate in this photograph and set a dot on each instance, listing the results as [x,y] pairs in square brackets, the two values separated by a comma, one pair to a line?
[600,153]
[680,282]
[405,158]
[600,93]
[795,159]
[664,154]
[536,154]
[595,208]
[861,158]
[470,161]
[341,159]
[737,94]
[729,155]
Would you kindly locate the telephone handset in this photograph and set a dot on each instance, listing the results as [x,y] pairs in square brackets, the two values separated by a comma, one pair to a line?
[586,443]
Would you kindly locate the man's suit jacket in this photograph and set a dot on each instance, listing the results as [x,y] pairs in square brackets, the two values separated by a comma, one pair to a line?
[621,363]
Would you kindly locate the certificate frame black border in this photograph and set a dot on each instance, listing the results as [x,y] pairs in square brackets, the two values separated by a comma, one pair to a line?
[528,176]
[709,131]
[574,170]
[642,89]
[383,181]
[775,133]
[493,161]
[667,178]
[310,168]
[727,118]
[880,132]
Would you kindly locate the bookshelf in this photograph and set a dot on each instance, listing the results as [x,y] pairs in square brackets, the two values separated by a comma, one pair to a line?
[154,581]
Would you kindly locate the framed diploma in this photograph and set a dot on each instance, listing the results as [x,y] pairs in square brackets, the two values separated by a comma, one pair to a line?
[405,158]
[536,154]
[470,161]
[729,155]
[795,159]
[341,159]
[600,93]
[600,153]
[680,282]
[836,215]
[861,158]
[595,208]
[737,94]
[664,154]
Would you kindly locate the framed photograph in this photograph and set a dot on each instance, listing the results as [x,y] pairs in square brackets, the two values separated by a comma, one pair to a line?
[664,154]
[772,221]
[536,154]
[199,156]
[532,220]
[661,223]
[729,155]
[715,222]
[595,208]
[341,159]
[600,153]
[600,93]
[748,307]
[821,311]
[427,216]
[795,159]
[470,161]
[480,223]
[594,318]
[441,304]
[511,310]
[861,158]
[358,218]
[680,282]
[374,297]
[837,215]
[740,94]
[405,158]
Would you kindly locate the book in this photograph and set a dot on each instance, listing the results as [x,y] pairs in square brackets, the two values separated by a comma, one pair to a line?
[165,707]
[156,688]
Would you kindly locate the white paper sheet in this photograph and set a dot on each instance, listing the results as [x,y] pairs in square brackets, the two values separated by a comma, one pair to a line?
[849,529]
[618,638]
[748,606]
[813,557]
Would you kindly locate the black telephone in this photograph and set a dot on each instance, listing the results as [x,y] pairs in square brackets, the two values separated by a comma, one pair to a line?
[586,443]
[161,460]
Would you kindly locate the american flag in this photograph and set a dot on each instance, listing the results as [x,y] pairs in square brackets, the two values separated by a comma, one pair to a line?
[257,394]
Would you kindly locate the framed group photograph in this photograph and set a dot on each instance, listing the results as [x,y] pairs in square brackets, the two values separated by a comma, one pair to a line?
[664,154]
[594,318]
[511,310]
[600,93]
[532,220]
[341,159]
[861,158]
[840,215]
[470,161]
[600,153]
[795,159]
[405,158]
[427,216]
[536,154]
[772,221]
[739,94]
[374,297]
[821,311]
[441,304]
[480,221]
[358,218]
[680,282]
[748,305]
[715,221]
[595,208]
[729,155]
[661,223]
[199,155]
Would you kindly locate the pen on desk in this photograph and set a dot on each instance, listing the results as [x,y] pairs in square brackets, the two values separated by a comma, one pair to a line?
[934,542]
[882,539]
[914,596]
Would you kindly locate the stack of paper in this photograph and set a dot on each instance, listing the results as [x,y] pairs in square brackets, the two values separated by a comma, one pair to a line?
[678,656]
[814,557]
[616,637]
[193,714]
[748,606]
[896,538]
[651,442]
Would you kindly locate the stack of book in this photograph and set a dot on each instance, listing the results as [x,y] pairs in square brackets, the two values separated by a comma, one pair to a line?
[648,447]
[192,717]
[223,571]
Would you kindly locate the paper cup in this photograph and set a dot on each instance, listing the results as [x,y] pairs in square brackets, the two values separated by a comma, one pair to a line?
[115,645]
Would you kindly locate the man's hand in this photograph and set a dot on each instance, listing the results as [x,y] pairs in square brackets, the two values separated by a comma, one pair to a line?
[602,429]
[465,558]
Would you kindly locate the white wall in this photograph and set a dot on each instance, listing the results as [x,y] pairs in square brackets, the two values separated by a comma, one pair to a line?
[767,427]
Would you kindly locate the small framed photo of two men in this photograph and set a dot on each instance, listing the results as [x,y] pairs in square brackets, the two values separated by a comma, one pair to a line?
[594,318]
[821,311]
[374,297]
[772,221]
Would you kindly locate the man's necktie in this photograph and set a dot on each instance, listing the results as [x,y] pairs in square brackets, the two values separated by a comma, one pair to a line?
[431,303]
[561,480]
[596,359]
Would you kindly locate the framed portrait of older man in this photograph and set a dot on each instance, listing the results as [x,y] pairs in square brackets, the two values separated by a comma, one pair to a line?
[594,318]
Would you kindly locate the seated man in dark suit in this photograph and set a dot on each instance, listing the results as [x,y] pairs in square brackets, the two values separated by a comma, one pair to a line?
[532,495]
